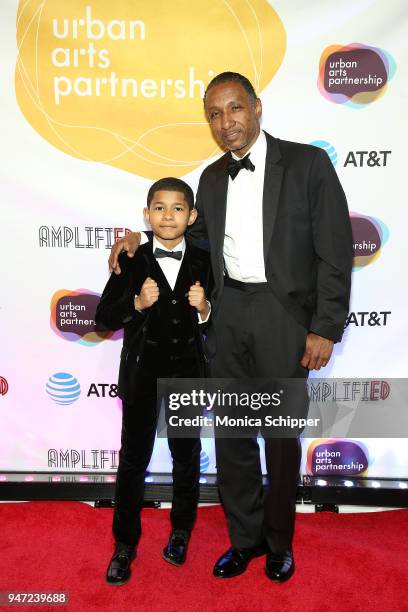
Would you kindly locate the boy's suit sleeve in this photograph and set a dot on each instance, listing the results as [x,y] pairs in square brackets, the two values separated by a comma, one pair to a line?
[116,307]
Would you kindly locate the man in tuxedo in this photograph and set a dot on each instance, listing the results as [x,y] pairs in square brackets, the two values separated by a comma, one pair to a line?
[277,224]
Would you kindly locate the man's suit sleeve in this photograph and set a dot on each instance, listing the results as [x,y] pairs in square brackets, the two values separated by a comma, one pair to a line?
[333,246]
[208,288]
[116,307]
[197,233]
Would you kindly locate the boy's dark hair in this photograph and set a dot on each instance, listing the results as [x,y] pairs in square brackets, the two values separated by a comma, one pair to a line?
[169,183]
[226,77]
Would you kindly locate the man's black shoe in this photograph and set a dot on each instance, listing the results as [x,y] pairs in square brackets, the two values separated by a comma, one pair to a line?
[176,550]
[235,561]
[118,571]
[279,568]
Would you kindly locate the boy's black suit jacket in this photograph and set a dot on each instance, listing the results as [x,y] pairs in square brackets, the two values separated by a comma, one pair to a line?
[116,307]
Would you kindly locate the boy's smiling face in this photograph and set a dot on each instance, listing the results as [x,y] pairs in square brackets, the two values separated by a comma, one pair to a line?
[169,215]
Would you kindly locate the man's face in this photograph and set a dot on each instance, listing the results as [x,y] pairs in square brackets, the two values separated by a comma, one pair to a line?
[169,216]
[233,116]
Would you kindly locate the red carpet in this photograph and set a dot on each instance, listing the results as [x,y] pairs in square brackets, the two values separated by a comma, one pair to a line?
[344,562]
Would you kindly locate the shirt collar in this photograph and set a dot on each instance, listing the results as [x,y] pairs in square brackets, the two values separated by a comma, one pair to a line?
[181,246]
[257,151]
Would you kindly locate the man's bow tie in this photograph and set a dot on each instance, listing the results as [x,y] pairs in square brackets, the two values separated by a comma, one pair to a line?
[158,253]
[235,165]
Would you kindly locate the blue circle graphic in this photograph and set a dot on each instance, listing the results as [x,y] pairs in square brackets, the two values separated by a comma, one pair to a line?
[326,146]
[204,462]
[63,388]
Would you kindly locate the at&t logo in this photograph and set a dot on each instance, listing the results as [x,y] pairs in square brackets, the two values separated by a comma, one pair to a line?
[63,388]
[326,146]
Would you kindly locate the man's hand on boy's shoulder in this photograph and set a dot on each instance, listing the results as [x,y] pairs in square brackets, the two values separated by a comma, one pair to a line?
[196,298]
[129,244]
[149,294]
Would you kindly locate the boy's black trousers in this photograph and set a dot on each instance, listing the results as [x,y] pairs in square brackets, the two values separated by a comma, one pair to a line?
[139,422]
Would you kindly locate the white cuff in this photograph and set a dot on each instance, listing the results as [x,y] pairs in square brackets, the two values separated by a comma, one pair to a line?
[200,320]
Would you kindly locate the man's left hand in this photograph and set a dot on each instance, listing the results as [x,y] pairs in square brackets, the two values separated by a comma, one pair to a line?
[317,353]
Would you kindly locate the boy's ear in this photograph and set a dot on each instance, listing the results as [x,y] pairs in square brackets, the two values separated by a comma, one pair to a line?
[146,214]
[193,216]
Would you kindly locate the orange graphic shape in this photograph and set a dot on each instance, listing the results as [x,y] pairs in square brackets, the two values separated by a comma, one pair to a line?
[121,83]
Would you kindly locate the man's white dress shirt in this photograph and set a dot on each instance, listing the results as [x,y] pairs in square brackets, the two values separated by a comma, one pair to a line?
[243,242]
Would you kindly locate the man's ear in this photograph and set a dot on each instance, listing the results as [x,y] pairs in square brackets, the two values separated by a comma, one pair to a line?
[193,216]
[258,108]
[146,214]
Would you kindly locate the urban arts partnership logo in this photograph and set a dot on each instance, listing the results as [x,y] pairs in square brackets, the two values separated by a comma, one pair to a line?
[63,388]
[354,74]
[4,387]
[369,236]
[93,80]
[73,317]
[336,458]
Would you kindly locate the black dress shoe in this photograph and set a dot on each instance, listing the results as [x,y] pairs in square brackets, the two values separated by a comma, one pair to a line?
[279,568]
[235,561]
[176,550]
[118,571]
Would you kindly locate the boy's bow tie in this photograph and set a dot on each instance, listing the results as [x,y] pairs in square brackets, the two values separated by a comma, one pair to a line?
[158,253]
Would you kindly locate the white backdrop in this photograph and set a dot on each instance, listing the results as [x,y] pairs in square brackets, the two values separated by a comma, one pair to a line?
[49,184]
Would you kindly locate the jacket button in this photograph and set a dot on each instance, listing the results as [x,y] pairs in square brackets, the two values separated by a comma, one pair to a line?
[144,329]
[174,301]
[175,340]
[175,321]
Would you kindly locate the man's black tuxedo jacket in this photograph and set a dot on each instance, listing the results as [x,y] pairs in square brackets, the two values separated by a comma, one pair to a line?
[307,238]
[116,308]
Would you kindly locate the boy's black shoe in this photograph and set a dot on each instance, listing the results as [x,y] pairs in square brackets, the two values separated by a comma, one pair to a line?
[118,571]
[176,550]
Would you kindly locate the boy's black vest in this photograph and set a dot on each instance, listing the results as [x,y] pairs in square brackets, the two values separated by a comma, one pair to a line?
[171,336]
[172,343]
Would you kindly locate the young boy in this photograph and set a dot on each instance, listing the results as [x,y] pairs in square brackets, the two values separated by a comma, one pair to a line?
[160,301]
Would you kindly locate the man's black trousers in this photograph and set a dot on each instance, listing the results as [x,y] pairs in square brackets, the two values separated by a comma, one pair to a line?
[256,337]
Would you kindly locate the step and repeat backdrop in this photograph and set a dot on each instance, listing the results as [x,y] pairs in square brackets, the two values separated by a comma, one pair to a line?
[101,98]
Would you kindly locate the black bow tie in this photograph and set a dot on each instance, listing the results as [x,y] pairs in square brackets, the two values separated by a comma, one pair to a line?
[158,253]
[235,165]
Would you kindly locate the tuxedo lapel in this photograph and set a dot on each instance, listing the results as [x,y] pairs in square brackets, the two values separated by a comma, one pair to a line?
[156,272]
[272,186]
[184,278]
[221,190]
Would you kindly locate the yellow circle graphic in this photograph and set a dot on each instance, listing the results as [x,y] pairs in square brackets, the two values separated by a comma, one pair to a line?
[121,83]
